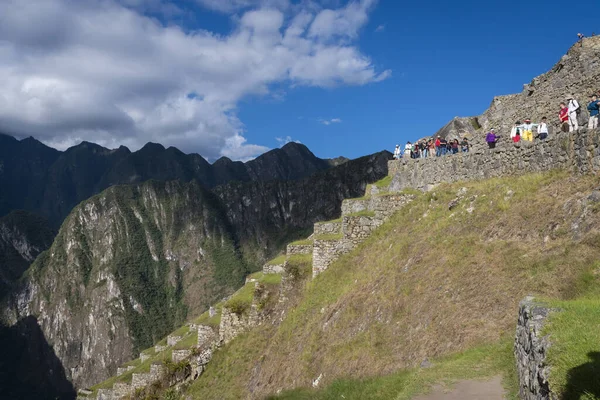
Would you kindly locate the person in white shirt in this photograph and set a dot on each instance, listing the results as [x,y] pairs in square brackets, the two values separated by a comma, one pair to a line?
[407,149]
[542,129]
[516,128]
[573,107]
[397,153]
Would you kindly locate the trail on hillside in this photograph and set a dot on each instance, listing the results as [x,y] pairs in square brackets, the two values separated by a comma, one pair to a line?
[468,390]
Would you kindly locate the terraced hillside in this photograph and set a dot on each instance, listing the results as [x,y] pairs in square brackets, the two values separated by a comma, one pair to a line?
[424,295]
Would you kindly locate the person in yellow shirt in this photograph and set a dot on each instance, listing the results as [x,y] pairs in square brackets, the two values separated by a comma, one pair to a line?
[527,130]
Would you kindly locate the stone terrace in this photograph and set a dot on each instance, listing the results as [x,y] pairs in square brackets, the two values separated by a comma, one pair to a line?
[577,151]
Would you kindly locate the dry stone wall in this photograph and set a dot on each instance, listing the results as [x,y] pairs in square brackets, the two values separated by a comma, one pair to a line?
[359,218]
[577,151]
[294,249]
[530,352]
[327,251]
[233,324]
[327,228]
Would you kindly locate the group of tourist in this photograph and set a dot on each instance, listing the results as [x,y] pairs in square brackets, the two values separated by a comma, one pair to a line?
[569,121]
[568,115]
[432,148]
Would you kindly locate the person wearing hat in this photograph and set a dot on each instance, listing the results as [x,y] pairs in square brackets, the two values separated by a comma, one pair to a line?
[527,129]
[397,153]
[573,106]
[593,107]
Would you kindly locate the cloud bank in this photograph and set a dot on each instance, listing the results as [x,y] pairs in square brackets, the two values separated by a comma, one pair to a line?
[104,71]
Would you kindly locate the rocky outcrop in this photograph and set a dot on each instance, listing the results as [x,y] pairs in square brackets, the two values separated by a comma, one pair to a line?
[286,208]
[576,73]
[530,351]
[122,271]
[23,236]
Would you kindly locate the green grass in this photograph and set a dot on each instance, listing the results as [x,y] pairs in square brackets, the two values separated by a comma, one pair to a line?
[383,183]
[205,319]
[479,363]
[187,342]
[140,367]
[574,355]
[332,236]
[270,279]
[241,300]
[304,242]
[277,260]
[364,213]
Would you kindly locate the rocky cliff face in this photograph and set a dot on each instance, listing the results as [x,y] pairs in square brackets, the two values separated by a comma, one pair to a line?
[50,183]
[266,215]
[23,236]
[125,268]
[40,179]
[129,264]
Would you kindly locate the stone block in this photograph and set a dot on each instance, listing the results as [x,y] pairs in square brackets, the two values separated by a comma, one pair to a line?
[121,370]
[327,228]
[158,348]
[144,357]
[180,355]
[273,268]
[206,336]
[121,389]
[293,249]
[530,351]
[233,324]
[352,206]
[140,380]
[173,340]
[327,251]
[105,394]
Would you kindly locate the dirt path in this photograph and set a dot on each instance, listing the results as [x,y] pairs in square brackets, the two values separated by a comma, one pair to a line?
[468,390]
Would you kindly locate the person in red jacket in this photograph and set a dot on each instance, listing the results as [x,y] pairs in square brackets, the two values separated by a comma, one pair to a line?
[563,115]
[438,148]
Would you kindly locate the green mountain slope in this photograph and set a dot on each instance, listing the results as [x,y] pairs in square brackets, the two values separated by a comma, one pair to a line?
[125,269]
[443,276]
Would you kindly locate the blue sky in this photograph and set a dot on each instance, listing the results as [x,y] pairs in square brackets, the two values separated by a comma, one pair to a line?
[447,58]
[238,77]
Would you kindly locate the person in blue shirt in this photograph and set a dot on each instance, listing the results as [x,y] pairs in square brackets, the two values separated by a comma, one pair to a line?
[593,107]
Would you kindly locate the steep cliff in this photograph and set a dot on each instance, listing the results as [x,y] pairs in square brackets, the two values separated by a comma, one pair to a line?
[50,183]
[23,236]
[129,264]
[125,268]
[266,215]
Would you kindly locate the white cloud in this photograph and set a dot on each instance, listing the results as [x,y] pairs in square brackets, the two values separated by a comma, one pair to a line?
[227,6]
[102,71]
[330,121]
[344,22]
[380,28]
[285,140]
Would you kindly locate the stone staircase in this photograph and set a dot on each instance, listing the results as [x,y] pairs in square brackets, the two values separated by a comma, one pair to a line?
[330,239]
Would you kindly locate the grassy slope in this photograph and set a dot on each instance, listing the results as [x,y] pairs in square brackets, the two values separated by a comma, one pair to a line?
[429,283]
